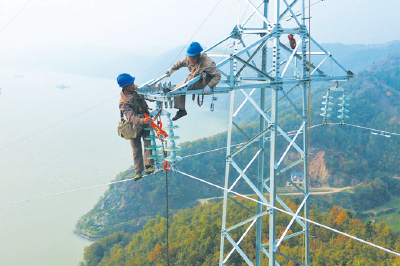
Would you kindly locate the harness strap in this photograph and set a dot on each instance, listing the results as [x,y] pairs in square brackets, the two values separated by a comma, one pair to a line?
[136,105]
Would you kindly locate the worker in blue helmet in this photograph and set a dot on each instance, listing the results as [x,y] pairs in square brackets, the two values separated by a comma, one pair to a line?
[133,106]
[198,64]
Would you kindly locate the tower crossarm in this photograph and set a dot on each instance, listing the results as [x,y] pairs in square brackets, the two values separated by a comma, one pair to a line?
[250,82]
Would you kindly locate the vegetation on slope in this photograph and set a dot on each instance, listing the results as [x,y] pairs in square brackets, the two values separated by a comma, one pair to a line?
[195,236]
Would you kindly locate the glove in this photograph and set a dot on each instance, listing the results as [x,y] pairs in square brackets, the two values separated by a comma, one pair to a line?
[207,90]
[169,72]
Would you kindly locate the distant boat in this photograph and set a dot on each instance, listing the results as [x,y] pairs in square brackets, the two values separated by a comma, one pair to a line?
[62,86]
[18,76]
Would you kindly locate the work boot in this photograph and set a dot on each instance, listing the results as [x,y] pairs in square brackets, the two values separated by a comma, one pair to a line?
[179,114]
[137,176]
[149,169]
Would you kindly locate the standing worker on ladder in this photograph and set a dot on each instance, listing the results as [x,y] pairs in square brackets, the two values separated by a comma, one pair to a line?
[133,106]
[198,64]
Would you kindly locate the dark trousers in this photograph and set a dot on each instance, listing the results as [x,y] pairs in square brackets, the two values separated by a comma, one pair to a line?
[137,150]
[180,101]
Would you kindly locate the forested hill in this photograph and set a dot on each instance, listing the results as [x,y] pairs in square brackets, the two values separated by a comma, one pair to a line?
[194,239]
[343,156]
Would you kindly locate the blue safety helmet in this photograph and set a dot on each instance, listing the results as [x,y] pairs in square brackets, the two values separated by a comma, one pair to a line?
[194,49]
[125,79]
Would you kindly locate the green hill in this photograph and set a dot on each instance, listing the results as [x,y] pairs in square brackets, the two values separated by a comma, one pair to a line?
[195,236]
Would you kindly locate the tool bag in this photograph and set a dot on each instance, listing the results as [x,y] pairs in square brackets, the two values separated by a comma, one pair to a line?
[126,129]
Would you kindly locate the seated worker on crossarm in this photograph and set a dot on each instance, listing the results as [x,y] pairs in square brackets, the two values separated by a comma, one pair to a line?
[198,64]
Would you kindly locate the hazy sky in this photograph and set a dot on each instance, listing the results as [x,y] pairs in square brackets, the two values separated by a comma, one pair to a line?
[159,25]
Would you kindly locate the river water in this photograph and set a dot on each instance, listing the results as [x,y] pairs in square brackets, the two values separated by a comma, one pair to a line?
[51,143]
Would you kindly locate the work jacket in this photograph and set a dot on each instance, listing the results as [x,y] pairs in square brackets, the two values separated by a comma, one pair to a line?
[204,64]
[133,107]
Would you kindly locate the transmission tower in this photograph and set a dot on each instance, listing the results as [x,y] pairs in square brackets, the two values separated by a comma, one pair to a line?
[291,72]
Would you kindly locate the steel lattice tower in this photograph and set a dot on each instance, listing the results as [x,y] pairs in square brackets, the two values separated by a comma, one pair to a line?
[240,73]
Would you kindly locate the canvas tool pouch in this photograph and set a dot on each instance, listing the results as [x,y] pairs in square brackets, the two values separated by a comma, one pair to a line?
[127,130]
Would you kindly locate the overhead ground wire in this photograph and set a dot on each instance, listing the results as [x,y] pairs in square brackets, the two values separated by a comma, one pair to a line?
[201,180]
[59,185]
[203,152]
[378,130]
[195,33]
[233,192]
[357,126]
[31,135]
[15,16]
[53,125]
[309,5]
[191,155]
[293,132]
[73,116]
[219,187]
[292,214]
[187,156]
[66,192]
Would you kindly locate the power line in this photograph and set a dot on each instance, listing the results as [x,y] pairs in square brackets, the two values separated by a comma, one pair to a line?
[187,156]
[191,155]
[262,2]
[195,33]
[67,192]
[293,132]
[96,186]
[244,13]
[15,16]
[203,152]
[357,126]
[292,214]
[387,132]
[53,125]
[63,184]
[351,125]
[309,5]
[219,187]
